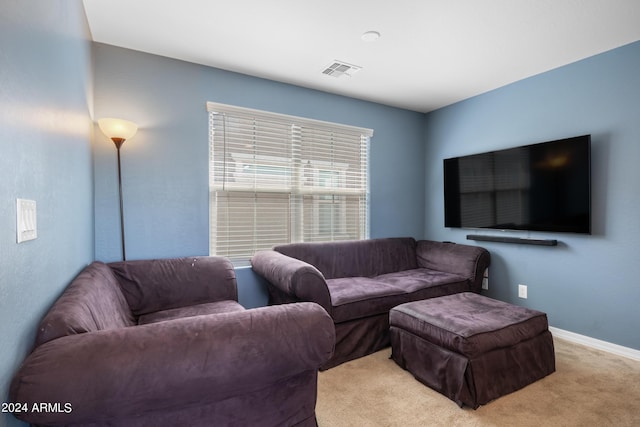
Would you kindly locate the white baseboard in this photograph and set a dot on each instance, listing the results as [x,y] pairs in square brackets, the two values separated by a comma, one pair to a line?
[596,343]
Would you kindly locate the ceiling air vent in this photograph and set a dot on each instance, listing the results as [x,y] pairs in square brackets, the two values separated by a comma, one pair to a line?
[341,69]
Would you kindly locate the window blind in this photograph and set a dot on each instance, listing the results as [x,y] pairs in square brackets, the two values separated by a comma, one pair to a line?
[277,179]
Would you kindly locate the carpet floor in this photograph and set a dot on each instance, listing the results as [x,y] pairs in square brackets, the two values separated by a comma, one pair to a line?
[589,388]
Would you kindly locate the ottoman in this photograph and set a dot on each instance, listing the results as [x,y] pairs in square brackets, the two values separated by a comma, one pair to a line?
[471,348]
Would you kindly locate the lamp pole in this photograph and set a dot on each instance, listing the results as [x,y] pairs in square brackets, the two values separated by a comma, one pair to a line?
[119,131]
[118,142]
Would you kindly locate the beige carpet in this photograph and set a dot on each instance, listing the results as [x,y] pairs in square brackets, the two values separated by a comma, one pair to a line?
[589,388]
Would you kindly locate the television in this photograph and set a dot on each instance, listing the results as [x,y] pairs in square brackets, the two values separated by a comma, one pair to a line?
[538,187]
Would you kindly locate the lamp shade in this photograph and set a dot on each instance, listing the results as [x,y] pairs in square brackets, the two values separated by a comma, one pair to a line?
[117,128]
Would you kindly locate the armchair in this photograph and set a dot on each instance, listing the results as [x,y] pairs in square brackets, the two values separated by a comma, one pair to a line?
[165,342]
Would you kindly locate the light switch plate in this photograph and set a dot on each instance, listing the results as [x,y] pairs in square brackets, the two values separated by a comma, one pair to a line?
[26,224]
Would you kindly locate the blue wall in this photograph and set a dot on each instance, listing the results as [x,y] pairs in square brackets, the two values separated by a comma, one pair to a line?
[587,284]
[165,166]
[45,134]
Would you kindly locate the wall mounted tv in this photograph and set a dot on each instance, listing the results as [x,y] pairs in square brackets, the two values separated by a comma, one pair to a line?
[537,187]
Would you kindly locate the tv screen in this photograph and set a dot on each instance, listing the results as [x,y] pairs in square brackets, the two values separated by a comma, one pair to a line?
[537,187]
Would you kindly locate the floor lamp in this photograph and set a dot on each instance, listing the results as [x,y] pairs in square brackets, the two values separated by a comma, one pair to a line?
[119,131]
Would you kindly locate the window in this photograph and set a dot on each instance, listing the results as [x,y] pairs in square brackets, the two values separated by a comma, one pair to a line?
[276,179]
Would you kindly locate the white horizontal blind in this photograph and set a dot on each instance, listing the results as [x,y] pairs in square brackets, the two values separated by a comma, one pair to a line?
[278,179]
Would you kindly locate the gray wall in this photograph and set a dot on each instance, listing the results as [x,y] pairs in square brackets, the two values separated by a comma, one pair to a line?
[587,284]
[165,166]
[45,134]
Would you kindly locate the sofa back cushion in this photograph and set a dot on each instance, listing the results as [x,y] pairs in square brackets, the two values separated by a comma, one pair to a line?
[92,302]
[356,258]
[162,284]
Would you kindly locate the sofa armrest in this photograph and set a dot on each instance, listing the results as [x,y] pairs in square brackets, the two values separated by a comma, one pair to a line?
[464,260]
[296,278]
[162,284]
[119,373]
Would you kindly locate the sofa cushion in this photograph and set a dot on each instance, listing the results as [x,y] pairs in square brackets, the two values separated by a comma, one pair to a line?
[356,258]
[355,289]
[359,297]
[419,278]
[92,302]
[226,306]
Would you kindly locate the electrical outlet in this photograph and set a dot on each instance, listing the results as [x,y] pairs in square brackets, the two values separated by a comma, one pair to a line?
[485,279]
[522,291]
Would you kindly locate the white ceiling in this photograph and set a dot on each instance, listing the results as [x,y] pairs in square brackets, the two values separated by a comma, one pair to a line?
[431,53]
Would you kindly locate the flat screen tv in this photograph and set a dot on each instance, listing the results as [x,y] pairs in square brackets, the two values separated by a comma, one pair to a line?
[537,187]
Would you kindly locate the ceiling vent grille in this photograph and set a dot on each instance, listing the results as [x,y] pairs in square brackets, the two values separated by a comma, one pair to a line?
[341,69]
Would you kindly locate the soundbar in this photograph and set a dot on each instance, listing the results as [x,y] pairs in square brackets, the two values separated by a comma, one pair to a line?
[505,239]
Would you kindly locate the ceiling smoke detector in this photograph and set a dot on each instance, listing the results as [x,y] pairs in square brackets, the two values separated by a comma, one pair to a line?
[341,69]
[370,36]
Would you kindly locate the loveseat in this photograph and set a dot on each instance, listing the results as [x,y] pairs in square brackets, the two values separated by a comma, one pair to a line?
[165,343]
[358,282]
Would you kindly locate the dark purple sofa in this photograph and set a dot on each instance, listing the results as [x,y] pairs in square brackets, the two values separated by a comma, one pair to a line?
[165,343]
[358,282]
